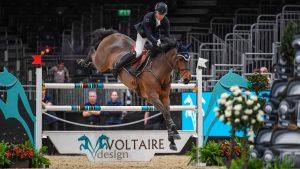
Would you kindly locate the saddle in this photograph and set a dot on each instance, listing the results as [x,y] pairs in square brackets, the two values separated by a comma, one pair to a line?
[137,67]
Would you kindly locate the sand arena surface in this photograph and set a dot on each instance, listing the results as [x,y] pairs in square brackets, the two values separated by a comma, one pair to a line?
[158,162]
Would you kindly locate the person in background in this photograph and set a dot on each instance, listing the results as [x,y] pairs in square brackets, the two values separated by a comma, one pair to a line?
[113,118]
[49,123]
[59,73]
[155,123]
[92,117]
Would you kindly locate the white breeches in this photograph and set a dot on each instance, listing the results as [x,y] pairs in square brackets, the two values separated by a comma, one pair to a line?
[139,45]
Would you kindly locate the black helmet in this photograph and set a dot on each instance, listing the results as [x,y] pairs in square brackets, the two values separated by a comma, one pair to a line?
[162,8]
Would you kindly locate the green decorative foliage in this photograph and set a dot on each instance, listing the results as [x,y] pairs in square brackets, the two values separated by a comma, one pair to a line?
[4,160]
[259,83]
[284,164]
[9,152]
[239,163]
[210,154]
[38,160]
[286,49]
[258,164]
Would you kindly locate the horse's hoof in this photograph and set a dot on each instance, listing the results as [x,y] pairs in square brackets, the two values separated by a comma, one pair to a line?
[173,147]
[80,61]
[84,64]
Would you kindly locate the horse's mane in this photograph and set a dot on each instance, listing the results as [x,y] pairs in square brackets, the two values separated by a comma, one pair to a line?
[170,41]
[99,34]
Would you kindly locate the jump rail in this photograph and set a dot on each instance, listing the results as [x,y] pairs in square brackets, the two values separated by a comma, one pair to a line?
[106,86]
[114,108]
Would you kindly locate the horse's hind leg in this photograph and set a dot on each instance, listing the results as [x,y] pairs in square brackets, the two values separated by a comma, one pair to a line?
[87,62]
[172,129]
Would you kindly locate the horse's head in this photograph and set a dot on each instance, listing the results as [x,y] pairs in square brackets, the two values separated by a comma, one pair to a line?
[179,59]
[183,57]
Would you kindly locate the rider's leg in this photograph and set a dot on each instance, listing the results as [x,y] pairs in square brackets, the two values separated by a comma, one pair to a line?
[139,45]
[87,62]
[127,58]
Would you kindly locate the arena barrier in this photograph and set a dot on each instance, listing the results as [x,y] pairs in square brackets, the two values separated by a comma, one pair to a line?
[137,145]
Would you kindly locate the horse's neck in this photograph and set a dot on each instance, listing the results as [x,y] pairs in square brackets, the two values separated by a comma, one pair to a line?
[164,62]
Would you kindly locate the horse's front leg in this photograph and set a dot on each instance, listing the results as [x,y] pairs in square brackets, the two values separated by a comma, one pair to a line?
[172,131]
[164,108]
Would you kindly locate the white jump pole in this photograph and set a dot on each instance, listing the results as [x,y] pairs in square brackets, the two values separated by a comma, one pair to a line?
[199,129]
[105,86]
[114,108]
[38,111]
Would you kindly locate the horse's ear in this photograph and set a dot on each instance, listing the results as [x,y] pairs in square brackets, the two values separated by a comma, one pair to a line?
[188,46]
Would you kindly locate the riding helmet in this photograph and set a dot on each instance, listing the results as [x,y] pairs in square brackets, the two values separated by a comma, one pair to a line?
[162,8]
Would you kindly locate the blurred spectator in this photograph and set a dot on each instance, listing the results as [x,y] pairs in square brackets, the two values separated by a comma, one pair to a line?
[155,123]
[59,73]
[113,117]
[92,117]
[49,123]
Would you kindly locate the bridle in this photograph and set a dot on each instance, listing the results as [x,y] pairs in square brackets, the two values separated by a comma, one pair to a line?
[178,70]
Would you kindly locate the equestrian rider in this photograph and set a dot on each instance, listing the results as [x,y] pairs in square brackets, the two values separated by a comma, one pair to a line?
[147,30]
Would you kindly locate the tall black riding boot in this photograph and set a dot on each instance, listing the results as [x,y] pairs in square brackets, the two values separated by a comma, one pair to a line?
[127,58]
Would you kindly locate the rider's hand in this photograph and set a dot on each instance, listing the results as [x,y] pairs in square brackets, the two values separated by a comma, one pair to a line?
[158,43]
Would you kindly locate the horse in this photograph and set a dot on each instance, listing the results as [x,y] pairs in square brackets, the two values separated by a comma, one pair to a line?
[154,83]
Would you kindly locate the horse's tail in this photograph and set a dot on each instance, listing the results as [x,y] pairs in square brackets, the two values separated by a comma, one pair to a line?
[99,34]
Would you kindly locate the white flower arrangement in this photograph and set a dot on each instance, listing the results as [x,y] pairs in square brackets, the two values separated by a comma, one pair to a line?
[239,109]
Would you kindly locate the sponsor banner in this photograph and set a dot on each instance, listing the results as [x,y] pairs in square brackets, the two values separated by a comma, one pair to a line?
[189,116]
[133,145]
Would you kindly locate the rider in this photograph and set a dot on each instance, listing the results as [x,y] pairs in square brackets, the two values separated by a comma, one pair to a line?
[148,30]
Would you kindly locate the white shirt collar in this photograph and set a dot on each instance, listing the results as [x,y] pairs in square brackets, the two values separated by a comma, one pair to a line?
[157,22]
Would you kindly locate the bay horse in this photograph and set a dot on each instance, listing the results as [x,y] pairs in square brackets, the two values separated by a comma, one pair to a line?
[154,83]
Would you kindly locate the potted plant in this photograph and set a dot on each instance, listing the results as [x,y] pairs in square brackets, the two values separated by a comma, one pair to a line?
[243,112]
[4,159]
[20,155]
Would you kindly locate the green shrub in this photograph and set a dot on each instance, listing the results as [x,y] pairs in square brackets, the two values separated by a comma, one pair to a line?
[4,160]
[284,164]
[239,163]
[210,154]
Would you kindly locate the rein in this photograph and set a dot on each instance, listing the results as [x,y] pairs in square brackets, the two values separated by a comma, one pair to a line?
[178,70]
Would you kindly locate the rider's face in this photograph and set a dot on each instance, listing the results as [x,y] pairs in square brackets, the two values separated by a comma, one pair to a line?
[158,16]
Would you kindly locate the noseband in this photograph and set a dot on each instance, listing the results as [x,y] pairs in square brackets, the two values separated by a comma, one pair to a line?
[177,70]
